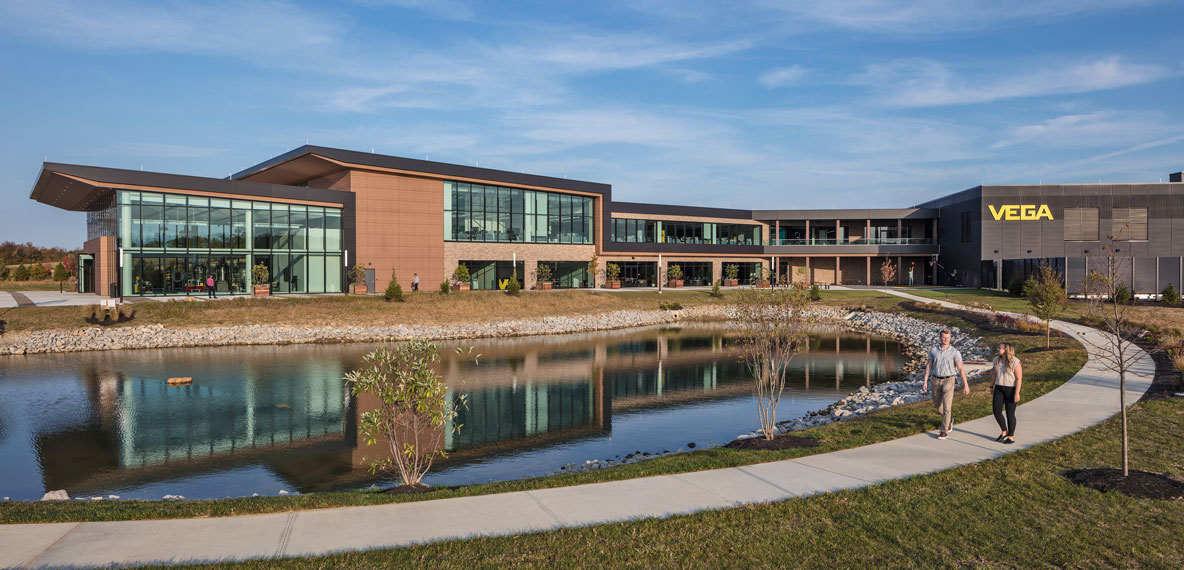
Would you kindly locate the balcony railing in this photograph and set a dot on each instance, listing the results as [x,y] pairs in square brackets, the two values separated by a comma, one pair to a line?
[853,241]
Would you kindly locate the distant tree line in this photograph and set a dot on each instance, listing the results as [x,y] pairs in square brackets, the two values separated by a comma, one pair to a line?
[25,261]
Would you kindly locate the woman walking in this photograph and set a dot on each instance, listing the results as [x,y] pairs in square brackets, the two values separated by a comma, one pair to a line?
[1005,390]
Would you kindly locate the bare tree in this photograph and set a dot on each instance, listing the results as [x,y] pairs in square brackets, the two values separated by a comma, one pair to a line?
[773,331]
[887,271]
[1117,350]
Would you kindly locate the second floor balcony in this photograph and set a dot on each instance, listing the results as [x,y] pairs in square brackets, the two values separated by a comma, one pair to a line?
[850,241]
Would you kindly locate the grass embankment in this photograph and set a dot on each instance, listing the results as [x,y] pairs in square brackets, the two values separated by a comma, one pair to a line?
[1149,315]
[1014,511]
[420,308]
[8,285]
[1043,372]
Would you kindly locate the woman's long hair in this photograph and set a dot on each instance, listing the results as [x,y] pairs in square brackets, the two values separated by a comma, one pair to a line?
[1008,355]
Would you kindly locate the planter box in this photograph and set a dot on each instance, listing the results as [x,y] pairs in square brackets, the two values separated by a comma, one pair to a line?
[731,282]
[674,283]
[463,287]
[261,290]
[612,285]
[763,283]
[543,286]
[359,289]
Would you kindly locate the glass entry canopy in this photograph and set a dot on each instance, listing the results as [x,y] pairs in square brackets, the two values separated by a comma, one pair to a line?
[171,243]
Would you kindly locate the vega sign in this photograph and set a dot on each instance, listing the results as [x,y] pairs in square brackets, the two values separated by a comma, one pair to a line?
[1020,212]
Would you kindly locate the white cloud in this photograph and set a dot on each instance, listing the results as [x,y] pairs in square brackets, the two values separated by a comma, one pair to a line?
[927,83]
[1097,129]
[935,16]
[783,76]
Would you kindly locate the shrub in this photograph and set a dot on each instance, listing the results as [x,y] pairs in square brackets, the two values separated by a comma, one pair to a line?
[715,292]
[543,272]
[445,288]
[60,273]
[38,272]
[513,288]
[1122,293]
[593,268]
[4,272]
[259,275]
[1016,287]
[1028,288]
[21,273]
[1028,326]
[357,274]
[612,271]
[815,292]
[674,272]
[671,306]
[412,411]
[394,291]
[732,271]
[1170,295]
[461,275]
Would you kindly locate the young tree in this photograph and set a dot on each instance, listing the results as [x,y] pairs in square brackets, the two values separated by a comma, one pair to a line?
[394,291]
[38,272]
[60,273]
[773,331]
[413,408]
[612,272]
[593,269]
[887,271]
[1116,350]
[513,288]
[1048,298]
[21,273]
[4,272]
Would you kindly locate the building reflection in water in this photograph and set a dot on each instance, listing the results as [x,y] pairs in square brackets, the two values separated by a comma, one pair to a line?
[298,420]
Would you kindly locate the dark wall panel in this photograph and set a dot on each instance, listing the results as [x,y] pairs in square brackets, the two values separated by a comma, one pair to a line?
[1169,272]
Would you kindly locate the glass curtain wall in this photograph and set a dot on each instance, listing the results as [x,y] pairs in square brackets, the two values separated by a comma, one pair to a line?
[628,230]
[171,243]
[569,274]
[639,273]
[476,212]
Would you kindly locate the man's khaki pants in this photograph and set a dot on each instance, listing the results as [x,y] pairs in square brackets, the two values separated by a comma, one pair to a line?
[943,400]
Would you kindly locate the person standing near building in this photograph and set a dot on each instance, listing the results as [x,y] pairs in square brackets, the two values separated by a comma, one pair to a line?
[946,364]
[415,282]
[1005,390]
[911,265]
[210,287]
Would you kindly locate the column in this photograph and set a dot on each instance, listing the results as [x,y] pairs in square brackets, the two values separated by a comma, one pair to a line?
[869,271]
[809,239]
[898,230]
[838,270]
[776,232]
[838,231]
[899,268]
[867,232]
[809,274]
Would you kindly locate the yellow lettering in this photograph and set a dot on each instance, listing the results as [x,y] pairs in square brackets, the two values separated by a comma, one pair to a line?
[503,283]
[1025,212]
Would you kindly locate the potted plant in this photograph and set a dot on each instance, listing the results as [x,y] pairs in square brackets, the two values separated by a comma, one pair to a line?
[731,275]
[613,273]
[357,275]
[674,272]
[260,286]
[543,274]
[764,282]
[461,278]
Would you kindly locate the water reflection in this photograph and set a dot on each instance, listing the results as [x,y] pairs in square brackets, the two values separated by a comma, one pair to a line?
[258,419]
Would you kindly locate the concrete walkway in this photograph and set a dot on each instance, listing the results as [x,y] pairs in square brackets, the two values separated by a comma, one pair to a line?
[1090,397]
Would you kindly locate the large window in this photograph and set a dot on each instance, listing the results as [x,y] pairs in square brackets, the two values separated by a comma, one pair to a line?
[1129,224]
[629,230]
[476,212]
[1081,224]
[171,243]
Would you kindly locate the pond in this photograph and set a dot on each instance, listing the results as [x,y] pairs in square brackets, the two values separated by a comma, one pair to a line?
[269,418]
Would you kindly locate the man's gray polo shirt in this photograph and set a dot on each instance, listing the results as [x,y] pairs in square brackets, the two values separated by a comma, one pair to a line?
[945,362]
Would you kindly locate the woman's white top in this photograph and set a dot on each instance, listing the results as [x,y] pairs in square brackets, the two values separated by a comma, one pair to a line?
[1005,375]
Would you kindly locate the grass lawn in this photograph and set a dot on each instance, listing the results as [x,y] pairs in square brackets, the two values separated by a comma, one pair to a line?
[1147,314]
[1043,372]
[1014,511]
[67,286]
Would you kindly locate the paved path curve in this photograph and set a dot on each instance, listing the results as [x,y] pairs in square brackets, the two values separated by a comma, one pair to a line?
[1090,397]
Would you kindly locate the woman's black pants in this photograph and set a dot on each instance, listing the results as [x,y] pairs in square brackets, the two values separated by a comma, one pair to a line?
[1003,399]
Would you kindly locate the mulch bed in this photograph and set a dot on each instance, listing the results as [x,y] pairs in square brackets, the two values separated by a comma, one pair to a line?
[1138,484]
[409,489]
[779,442]
[1046,349]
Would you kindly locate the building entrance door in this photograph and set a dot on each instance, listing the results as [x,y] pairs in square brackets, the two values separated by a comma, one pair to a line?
[86,273]
[370,279]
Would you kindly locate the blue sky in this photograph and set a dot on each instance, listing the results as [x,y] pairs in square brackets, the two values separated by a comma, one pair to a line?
[767,104]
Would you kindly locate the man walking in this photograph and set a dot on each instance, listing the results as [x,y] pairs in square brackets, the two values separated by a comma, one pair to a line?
[415,282]
[946,364]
